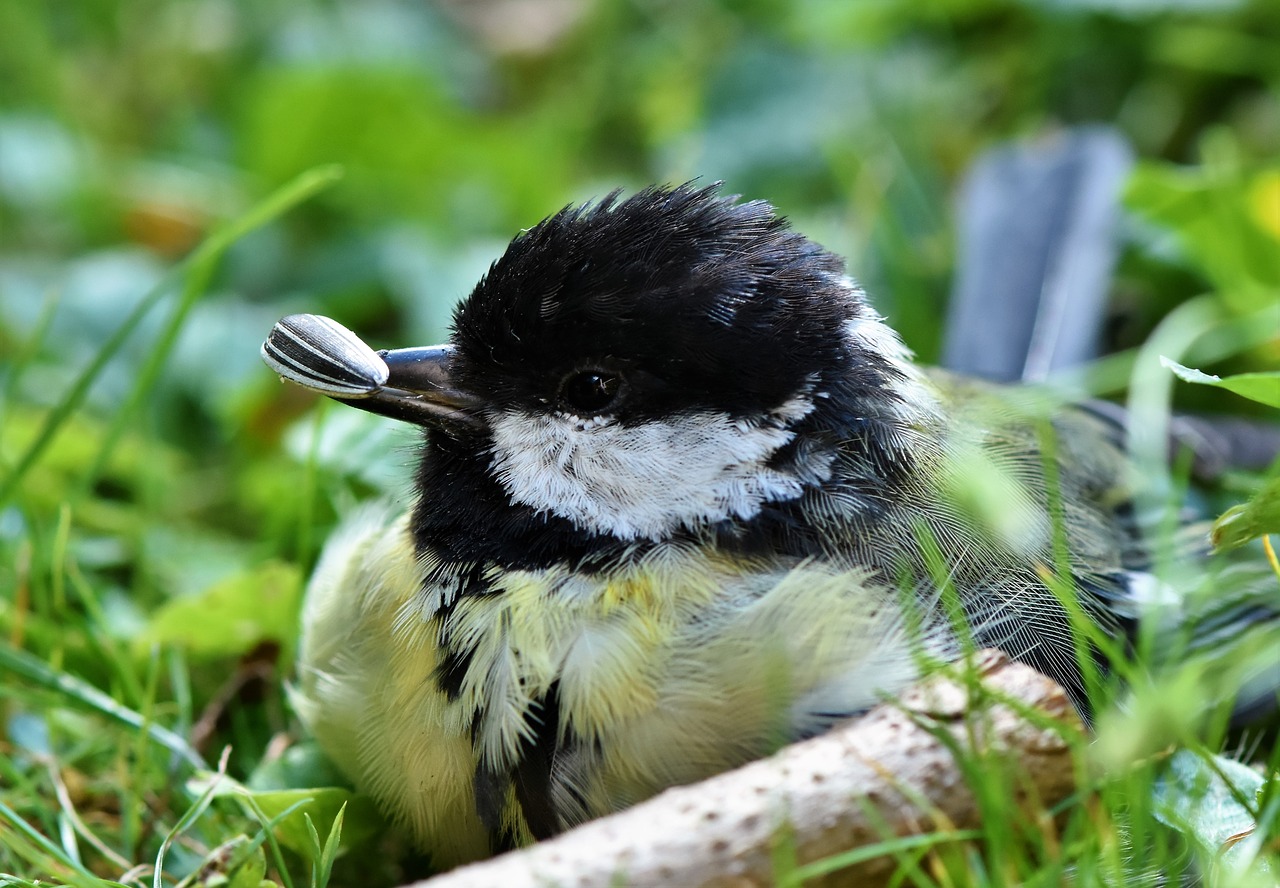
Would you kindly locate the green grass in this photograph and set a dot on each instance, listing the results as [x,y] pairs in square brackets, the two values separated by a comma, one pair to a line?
[103,785]
[167,190]
[135,811]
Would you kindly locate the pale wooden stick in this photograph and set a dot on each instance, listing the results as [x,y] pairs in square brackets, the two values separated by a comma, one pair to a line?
[887,773]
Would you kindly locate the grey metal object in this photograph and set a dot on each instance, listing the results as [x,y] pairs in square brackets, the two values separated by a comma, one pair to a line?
[1037,248]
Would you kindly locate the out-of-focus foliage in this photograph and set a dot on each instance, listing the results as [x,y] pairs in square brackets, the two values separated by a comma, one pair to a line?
[131,130]
[1242,523]
[1227,223]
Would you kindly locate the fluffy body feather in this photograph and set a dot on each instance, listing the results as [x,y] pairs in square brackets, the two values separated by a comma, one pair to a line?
[664,671]
[697,502]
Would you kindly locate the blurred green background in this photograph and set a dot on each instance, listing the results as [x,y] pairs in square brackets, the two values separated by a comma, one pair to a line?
[153,546]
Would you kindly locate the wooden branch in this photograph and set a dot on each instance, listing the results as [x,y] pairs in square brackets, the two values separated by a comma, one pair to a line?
[888,773]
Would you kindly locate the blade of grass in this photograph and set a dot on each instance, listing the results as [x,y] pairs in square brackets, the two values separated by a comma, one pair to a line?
[1086,634]
[73,817]
[29,349]
[1219,339]
[782,849]
[133,815]
[187,819]
[268,828]
[200,272]
[199,262]
[107,648]
[1150,397]
[837,862]
[180,688]
[25,665]
[50,848]
[329,853]
[317,853]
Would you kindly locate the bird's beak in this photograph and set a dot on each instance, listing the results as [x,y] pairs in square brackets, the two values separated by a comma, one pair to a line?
[409,384]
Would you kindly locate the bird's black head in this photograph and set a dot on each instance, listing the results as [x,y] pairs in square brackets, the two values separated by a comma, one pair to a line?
[629,371]
[671,300]
[650,365]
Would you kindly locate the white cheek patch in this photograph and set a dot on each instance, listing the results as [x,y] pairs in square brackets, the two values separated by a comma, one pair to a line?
[647,480]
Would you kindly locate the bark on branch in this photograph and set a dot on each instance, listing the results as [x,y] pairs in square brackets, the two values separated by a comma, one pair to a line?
[889,773]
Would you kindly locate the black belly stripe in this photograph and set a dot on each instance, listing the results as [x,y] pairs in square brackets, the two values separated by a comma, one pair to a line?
[451,671]
[532,773]
[490,790]
[530,776]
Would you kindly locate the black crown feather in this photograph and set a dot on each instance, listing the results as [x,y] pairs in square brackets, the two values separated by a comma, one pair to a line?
[720,299]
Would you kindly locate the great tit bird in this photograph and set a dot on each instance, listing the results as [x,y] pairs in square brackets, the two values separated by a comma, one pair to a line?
[683,496]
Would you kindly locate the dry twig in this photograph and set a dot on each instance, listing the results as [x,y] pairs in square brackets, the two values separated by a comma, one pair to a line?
[891,772]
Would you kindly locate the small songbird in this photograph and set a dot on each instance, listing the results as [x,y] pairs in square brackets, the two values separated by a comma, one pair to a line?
[682,497]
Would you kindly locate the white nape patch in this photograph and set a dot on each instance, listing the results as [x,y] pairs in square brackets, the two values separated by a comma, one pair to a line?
[873,334]
[918,399]
[647,480]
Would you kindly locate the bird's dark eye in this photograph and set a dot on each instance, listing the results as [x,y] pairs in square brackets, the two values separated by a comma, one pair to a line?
[589,391]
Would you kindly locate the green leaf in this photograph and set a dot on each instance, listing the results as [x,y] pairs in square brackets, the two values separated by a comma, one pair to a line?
[301,766]
[252,872]
[1214,215]
[358,822]
[232,616]
[1261,387]
[1240,524]
[1205,797]
[236,863]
